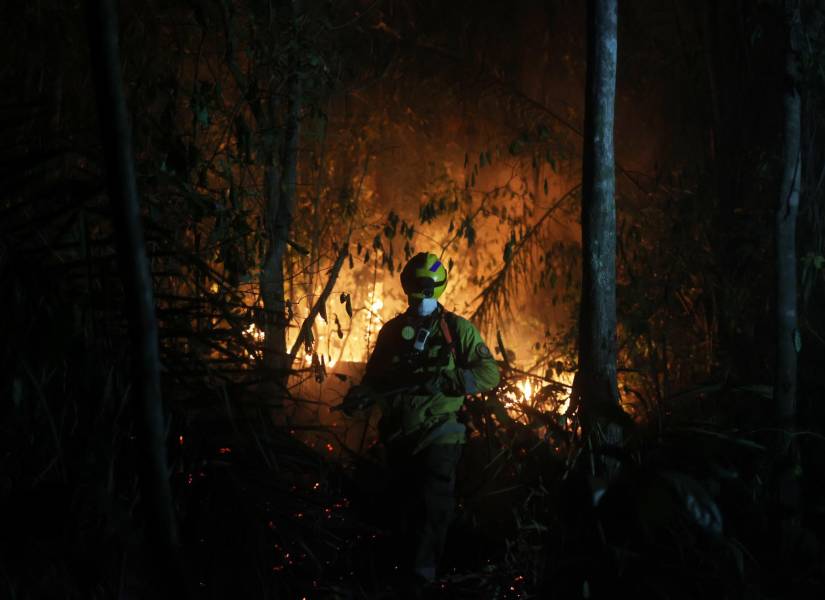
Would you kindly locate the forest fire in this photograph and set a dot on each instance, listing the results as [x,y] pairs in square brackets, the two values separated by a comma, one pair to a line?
[526,393]
[200,244]
[332,343]
[520,396]
[255,334]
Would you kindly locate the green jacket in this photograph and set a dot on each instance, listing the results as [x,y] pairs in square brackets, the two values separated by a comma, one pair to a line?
[420,392]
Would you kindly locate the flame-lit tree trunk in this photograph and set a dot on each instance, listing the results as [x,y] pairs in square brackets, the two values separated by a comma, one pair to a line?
[280,208]
[787,208]
[596,381]
[280,167]
[278,215]
[115,131]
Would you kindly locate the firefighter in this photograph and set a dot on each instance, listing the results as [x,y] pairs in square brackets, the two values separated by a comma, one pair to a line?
[424,363]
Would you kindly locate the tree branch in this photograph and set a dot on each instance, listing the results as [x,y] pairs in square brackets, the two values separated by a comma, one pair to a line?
[316,309]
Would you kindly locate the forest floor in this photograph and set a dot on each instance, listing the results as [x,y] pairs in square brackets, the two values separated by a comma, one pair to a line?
[702,508]
[699,511]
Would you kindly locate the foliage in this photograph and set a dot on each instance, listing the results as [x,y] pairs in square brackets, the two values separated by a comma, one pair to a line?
[499,202]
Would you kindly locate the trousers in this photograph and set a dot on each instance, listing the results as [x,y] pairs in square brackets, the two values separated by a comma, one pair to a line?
[423,490]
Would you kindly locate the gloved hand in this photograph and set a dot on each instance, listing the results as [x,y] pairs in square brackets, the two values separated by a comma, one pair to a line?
[356,399]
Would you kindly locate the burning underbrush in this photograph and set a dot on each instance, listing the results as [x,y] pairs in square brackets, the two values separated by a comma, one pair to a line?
[540,405]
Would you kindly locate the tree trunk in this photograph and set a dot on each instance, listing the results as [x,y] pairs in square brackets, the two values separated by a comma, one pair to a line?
[155,492]
[279,213]
[596,381]
[787,208]
[271,276]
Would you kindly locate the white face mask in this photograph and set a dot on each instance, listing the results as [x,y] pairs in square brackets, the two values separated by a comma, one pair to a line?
[426,306]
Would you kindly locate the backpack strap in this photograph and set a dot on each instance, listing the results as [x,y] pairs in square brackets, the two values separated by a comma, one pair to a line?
[448,337]
[447,322]
[449,325]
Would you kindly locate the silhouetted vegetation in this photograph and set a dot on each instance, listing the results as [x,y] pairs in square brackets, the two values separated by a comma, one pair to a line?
[289,157]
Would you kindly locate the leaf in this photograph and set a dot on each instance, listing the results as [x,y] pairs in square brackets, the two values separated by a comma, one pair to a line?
[508,251]
[695,500]
[338,331]
[764,391]
[203,116]
[539,418]
[348,306]
[543,133]
[500,412]
[298,248]
[319,368]
[469,233]
[515,147]
[550,160]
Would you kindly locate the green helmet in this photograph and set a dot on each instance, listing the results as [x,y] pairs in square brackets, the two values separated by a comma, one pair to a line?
[424,276]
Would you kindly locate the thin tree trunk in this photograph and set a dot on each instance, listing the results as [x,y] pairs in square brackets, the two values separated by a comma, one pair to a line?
[115,131]
[275,311]
[596,383]
[787,332]
[279,217]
